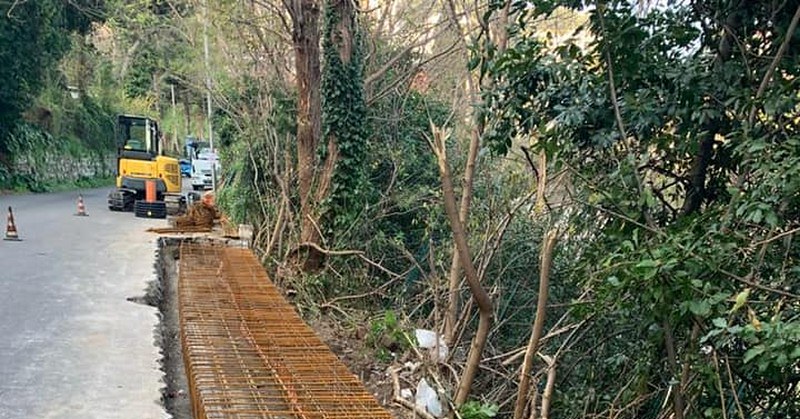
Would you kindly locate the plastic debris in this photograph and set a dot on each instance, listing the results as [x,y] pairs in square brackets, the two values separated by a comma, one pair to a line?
[427,399]
[428,339]
[406,393]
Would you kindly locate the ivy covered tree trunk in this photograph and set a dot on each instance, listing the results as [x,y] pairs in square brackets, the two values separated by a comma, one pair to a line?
[340,175]
[344,115]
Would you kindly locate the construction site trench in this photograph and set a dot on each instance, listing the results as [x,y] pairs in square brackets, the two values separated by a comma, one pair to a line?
[233,347]
[163,294]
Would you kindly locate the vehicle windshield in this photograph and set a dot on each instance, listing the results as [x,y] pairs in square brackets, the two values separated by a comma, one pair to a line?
[206,154]
[134,136]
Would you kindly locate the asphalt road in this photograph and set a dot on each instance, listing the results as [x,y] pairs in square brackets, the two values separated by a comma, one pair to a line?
[71,345]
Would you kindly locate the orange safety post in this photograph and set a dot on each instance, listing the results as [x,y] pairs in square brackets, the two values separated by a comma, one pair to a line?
[150,191]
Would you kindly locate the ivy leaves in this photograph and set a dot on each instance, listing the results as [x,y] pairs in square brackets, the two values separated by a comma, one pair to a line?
[344,113]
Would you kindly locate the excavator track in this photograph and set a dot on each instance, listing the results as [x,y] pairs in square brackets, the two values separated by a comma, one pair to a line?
[247,352]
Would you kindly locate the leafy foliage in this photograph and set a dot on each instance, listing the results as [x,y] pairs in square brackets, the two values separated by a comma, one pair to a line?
[683,152]
[385,187]
[386,334]
[344,113]
[476,410]
[33,38]
[45,163]
[253,141]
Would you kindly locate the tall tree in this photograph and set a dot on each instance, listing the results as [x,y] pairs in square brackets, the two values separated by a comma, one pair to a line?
[492,40]
[305,38]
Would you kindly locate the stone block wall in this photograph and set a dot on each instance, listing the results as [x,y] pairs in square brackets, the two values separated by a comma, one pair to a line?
[55,168]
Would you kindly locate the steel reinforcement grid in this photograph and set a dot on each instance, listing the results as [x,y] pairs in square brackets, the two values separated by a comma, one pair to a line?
[248,354]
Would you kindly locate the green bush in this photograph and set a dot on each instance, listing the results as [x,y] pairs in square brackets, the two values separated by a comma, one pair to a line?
[477,410]
[34,151]
[387,335]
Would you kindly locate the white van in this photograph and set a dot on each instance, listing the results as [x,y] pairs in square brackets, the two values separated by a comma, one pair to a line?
[202,171]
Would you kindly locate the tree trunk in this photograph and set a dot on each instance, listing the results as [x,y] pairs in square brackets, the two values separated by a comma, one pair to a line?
[473,90]
[156,88]
[126,60]
[547,397]
[697,174]
[187,112]
[696,191]
[305,36]
[480,295]
[545,261]
[672,361]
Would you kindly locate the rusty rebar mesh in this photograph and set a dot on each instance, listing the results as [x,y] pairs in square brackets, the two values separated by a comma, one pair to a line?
[248,354]
[181,230]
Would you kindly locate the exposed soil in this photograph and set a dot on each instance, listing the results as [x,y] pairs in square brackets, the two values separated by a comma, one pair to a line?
[175,394]
[350,346]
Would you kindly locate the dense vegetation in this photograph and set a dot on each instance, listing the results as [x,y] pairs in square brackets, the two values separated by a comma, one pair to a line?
[67,77]
[677,131]
[37,112]
[595,202]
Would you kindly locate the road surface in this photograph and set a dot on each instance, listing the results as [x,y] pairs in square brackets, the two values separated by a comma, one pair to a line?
[71,345]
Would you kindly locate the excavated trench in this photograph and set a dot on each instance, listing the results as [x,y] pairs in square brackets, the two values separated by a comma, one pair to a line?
[175,395]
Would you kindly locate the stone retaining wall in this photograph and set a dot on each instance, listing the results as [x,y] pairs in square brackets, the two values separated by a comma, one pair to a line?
[62,168]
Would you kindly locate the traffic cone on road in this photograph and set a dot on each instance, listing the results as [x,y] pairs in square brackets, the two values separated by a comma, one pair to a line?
[11,228]
[81,208]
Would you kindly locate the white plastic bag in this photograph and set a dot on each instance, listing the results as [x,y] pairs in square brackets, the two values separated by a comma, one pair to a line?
[427,339]
[427,399]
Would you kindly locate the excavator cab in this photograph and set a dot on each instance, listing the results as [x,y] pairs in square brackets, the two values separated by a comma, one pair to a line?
[139,160]
[138,137]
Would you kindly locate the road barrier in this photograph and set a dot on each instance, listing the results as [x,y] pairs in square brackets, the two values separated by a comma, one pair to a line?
[81,208]
[247,352]
[11,228]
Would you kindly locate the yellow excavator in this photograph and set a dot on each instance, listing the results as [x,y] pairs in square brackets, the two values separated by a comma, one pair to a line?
[140,161]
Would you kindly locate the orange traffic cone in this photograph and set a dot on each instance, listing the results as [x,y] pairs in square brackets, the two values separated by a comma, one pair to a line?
[11,228]
[81,208]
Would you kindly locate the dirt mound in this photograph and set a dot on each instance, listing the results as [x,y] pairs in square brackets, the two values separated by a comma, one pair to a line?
[199,215]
